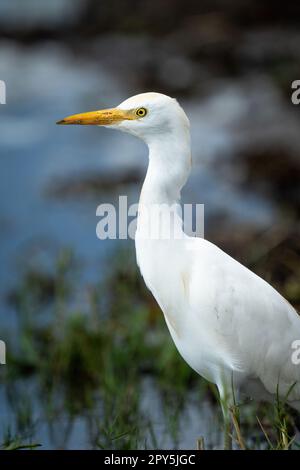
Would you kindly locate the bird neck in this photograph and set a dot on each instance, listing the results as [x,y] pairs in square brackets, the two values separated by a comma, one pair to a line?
[168,169]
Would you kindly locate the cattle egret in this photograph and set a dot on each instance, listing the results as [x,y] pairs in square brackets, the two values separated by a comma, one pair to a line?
[229,325]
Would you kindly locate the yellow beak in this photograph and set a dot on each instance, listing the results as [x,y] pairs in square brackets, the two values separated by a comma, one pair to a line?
[102,117]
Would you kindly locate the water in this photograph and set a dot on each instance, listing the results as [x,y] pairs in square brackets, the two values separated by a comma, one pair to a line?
[36,13]
[63,431]
[46,83]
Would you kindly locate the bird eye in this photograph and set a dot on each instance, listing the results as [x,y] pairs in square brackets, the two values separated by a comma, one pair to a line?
[141,112]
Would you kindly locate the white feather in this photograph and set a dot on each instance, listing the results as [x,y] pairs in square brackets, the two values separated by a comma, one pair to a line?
[225,320]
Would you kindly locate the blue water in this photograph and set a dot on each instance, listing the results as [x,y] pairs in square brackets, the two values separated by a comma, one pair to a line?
[44,84]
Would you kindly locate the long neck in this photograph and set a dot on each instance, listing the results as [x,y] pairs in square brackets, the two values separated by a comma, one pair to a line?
[168,169]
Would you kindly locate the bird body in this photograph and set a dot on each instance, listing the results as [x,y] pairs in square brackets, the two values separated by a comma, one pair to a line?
[229,325]
[225,320]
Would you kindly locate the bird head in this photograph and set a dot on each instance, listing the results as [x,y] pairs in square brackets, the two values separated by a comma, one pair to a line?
[144,115]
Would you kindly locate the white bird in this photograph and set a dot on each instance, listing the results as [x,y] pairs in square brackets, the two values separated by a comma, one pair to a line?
[229,325]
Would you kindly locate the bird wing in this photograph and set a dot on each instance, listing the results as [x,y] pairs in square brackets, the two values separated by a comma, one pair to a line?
[252,321]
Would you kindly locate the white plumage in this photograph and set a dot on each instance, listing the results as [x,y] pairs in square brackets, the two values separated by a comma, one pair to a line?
[228,324]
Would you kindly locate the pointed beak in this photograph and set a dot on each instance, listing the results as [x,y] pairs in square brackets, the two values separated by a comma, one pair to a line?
[102,117]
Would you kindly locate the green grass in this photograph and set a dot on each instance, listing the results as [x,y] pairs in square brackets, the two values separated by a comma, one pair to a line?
[12,442]
[90,358]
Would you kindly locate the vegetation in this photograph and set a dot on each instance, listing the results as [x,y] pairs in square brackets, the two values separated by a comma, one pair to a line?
[100,358]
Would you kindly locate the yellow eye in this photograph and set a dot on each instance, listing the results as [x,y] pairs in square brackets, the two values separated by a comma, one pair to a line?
[141,112]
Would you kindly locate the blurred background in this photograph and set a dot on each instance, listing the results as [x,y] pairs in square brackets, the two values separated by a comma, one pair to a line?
[90,363]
